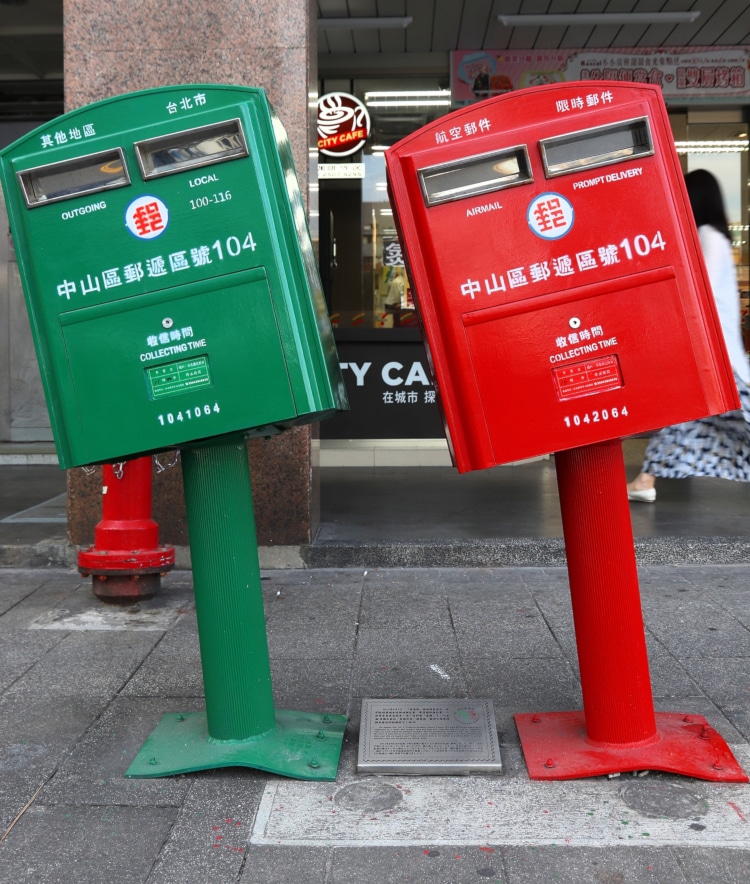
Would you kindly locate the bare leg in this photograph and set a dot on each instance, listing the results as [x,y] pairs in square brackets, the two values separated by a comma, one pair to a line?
[642,482]
[642,488]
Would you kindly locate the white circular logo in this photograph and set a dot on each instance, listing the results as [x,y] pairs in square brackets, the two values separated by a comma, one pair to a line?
[147,217]
[550,215]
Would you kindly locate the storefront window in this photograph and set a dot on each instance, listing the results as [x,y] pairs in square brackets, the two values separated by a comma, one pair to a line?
[385,280]
[364,277]
[367,288]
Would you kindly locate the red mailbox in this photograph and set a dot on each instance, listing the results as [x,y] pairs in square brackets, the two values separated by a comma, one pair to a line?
[565,304]
[560,284]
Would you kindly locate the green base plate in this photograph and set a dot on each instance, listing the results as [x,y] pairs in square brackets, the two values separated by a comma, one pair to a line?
[304,745]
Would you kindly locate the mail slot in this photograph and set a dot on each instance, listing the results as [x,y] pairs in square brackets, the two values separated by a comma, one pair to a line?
[557,270]
[168,273]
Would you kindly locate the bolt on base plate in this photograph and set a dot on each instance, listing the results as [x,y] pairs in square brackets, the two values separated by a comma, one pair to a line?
[303,745]
[556,747]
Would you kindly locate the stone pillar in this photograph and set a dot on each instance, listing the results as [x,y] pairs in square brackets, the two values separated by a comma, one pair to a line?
[117,46]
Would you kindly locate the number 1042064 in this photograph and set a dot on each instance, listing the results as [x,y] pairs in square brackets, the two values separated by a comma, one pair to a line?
[595,417]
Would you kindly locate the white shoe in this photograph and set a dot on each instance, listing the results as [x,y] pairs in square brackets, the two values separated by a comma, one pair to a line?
[645,495]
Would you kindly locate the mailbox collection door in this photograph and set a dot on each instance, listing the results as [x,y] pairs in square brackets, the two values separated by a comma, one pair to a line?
[558,272]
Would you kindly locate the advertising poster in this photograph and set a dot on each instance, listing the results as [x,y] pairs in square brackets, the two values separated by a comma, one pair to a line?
[684,74]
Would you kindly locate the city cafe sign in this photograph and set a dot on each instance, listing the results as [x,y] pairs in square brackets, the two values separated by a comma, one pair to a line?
[343,124]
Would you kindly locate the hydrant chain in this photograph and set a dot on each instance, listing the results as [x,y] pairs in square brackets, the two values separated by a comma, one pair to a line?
[162,468]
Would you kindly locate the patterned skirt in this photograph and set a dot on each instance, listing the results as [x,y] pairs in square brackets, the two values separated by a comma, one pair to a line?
[718,446]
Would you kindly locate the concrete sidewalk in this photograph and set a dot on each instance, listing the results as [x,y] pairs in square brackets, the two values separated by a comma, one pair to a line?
[83,684]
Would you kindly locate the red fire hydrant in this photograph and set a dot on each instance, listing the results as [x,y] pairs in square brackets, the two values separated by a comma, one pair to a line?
[126,561]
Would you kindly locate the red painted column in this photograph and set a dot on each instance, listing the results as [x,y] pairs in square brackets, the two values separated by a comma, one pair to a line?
[610,637]
[618,729]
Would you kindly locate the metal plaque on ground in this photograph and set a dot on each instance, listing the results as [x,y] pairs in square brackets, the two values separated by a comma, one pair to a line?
[428,737]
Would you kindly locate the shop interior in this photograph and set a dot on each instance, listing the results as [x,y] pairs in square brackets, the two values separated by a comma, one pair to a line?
[365,282]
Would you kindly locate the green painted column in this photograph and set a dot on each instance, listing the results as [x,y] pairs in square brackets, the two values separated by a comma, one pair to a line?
[228,596]
[240,726]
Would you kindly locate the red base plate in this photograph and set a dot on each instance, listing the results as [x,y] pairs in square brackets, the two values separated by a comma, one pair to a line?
[556,747]
[125,561]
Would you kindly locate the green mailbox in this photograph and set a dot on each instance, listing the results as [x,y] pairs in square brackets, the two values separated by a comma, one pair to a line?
[175,302]
[168,271]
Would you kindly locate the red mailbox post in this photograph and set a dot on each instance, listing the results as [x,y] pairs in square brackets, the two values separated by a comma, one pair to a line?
[565,305]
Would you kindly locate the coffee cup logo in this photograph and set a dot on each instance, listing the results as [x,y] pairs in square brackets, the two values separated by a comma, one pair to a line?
[343,124]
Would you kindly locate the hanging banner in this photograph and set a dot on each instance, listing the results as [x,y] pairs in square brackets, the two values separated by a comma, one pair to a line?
[683,73]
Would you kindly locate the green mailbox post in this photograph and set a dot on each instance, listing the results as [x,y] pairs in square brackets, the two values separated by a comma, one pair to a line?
[175,302]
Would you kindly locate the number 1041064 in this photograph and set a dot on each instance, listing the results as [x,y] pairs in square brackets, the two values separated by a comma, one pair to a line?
[188,414]
[595,417]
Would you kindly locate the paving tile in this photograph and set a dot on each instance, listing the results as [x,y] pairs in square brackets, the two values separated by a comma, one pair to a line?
[89,665]
[399,641]
[15,586]
[208,842]
[669,677]
[19,651]
[417,865]
[437,675]
[738,716]
[714,865]
[556,608]
[478,638]
[698,631]
[725,679]
[282,865]
[591,865]
[36,735]
[94,772]
[84,845]
[311,686]
[311,640]
[34,593]
[400,597]
[172,669]
[526,684]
